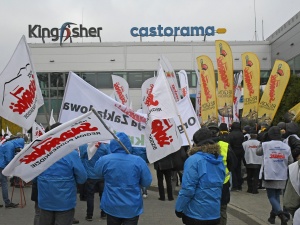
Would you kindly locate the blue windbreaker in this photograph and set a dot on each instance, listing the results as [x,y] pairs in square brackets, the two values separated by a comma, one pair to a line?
[123,175]
[200,195]
[57,187]
[7,150]
[89,165]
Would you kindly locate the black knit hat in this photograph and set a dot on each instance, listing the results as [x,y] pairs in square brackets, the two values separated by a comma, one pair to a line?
[223,127]
[274,133]
[203,136]
[213,127]
[292,128]
[281,125]
[247,128]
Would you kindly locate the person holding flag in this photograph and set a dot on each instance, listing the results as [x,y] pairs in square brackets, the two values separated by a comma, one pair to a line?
[57,189]
[124,174]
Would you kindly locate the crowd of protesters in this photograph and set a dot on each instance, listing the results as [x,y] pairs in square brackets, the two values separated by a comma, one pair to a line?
[208,172]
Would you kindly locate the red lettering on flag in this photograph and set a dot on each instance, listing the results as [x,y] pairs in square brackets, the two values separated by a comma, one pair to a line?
[160,132]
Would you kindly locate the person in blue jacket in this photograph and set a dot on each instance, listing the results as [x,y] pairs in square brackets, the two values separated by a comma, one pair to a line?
[123,174]
[7,153]
[93,178]
[199,199]
[57,189]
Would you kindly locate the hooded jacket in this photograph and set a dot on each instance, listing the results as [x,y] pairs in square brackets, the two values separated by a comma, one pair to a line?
[236,139]
[204,173]
[123,174]
[57,187]
[7,150]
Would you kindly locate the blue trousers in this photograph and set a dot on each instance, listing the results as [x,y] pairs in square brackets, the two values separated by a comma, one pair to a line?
[274,199]
[4,185]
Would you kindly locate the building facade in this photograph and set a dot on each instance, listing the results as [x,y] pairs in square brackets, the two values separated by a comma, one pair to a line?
[138,61]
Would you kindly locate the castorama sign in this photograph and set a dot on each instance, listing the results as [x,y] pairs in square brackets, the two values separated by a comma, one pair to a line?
[175,31]
[67,31]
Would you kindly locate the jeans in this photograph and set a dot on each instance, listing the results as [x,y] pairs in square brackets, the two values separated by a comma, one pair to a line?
[90,191]
[3,180]
[274,199]
[57,217]
[111,220]
[160,181]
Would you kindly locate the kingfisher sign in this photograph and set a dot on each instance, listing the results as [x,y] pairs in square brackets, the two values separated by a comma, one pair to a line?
[175,31]
[67,31]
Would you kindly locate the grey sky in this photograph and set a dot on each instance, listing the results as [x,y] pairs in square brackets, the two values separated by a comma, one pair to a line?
[116,17]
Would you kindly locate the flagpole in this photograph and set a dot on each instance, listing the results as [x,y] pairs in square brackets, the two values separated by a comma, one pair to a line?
[112,133]
[185,132]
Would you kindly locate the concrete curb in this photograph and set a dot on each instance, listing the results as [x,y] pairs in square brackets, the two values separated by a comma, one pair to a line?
[244,215]
[234,210]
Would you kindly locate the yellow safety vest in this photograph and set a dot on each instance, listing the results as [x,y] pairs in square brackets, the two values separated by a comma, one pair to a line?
[224,151]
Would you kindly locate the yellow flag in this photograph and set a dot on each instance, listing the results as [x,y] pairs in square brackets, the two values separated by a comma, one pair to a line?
[207,79]
[294,113]
[273,92]
[251,81]
[225,81]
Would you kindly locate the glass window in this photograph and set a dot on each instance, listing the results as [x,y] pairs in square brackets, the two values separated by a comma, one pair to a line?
[55,105]
[135,79]
[56,80]
[297,65]
[91,78]
[43,80]
[264,76]
[105,80]
[44,107]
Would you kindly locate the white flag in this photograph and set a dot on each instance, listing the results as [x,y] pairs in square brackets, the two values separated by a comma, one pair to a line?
[8,131]
[237,95]
[121,90]
[37,131]
[198,96]
[55,144]
[184,83]
[52,120]
[171,77]
[80,97]
[189,119]
[20,93]
[161,103]
[146,89]
[162,139]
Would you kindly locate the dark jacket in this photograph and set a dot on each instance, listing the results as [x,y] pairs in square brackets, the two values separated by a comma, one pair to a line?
[165,163]
[236,139]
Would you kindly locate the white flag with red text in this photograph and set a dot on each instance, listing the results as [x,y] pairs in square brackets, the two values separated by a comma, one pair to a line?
[161,103]
[146,89]
[55,144]
[37,131]
[237,95]
[80,97]
[171,77]
[162,139]
[184,84]
[20,93]
[121,90]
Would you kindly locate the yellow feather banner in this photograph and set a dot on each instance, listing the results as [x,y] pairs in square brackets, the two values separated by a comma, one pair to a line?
[225,81]
[208,105]
[273,92]
[251,81]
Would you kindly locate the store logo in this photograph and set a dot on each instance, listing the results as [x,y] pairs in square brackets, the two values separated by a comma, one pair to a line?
[66,32]
[175,31]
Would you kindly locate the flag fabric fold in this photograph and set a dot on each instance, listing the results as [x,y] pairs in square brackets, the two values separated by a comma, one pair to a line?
[55,144]
[20,93]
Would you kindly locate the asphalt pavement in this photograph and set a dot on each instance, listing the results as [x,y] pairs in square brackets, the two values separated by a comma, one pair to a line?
[244,208]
